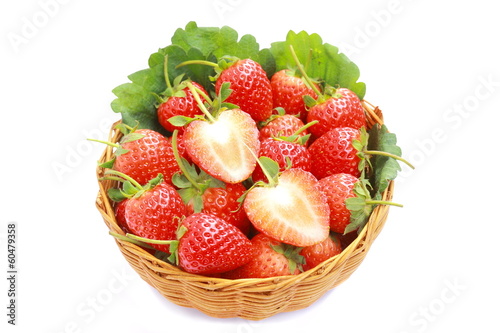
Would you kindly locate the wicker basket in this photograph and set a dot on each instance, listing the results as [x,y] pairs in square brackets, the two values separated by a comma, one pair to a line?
[252,299]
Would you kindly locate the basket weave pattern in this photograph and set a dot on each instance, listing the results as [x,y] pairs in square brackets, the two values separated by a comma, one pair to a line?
[252,299]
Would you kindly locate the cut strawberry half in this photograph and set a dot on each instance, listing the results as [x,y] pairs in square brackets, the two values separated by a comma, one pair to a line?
[290,210]
[225,142]
[224,148]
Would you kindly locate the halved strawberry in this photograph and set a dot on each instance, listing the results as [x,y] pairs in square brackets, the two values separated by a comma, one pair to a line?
[203,193]
[225,147]
[290,209]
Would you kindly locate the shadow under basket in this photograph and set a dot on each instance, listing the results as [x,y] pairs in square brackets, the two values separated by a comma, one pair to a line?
[252,299]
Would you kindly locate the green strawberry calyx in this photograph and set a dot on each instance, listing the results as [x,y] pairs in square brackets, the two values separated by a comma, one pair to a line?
[296,137]
[173,257]
[292,253]
[130,188]
[362,205]
[191,183]
[379,156]
[210,109]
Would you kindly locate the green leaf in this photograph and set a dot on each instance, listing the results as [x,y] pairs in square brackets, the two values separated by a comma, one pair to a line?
[180,121]
[270,168]
[116,195]
[137,100]
[321,60]
[384,168]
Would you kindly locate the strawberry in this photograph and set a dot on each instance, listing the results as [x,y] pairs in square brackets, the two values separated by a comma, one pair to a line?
[223,145]
[318,253]
[146,157]
[223,202]
[142,154]
[288,89]
[271,258]
[281,125]
[337,108]
[334,153]
[286,154]
[203,193]
[178,102]
[251,88]
[337,188]
[210,245]
[180,146]
[153,211]
[348,238]
[290,208]
[120,215]
[331,107]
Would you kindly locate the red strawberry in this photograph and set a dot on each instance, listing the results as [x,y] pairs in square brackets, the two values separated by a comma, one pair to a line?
[153,211]
[283,152]
[211,245]
[179,102]
[288,91]
[289,209]
[251,88]
[271,258]
[282,125]
[120,215]
[334,153]
[222,202]
[347,239]
[318,253]
[144,154]
[338,188]
[224,147]
[342,108]
[181,147]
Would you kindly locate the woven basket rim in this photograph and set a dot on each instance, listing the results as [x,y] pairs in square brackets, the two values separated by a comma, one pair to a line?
[149,266]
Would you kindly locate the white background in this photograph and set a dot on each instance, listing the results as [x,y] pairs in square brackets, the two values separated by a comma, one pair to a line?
[431,66]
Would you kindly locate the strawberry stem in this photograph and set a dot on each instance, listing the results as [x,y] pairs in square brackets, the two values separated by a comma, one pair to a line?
[130,240]
[306,126]
[202,107]
[165,72]
[111,144]
[303,72]
[151,241]
[383,153]
[197,62]
[121,177]
[382,202]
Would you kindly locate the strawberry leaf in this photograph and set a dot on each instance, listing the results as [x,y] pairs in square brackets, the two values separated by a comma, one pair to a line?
[321,61]
[137,100]
[384,168]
